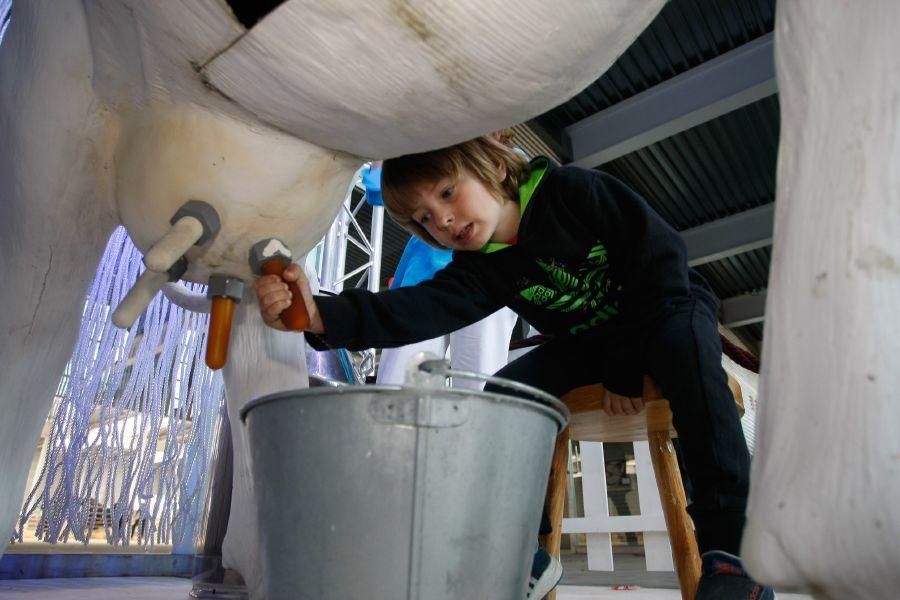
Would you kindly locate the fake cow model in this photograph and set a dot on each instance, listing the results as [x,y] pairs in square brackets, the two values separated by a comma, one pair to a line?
[120,112]
[824,487]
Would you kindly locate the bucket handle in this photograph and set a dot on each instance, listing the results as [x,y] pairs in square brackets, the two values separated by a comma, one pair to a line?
[441,367]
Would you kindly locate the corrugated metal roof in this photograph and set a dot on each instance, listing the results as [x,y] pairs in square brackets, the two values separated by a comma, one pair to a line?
[708,172]
[683,35]
[526,139]
[739,274]
[751,335]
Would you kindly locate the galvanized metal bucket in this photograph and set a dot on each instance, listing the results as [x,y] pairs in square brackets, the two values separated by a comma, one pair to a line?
[400,493]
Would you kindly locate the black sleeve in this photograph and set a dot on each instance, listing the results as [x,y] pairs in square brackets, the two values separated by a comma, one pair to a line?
[357,319]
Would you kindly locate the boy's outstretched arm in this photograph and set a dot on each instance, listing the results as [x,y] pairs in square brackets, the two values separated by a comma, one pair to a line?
[273,296]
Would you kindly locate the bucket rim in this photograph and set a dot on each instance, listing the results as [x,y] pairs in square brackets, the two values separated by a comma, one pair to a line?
[557,410]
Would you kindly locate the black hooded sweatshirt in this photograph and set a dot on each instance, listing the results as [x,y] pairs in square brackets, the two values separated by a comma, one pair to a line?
[591,255]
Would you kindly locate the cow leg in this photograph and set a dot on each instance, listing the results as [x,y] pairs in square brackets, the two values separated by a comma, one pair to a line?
[55,216]
[826,477]
[261,361]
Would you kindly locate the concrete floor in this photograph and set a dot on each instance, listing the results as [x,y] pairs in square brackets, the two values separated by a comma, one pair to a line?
[163,588]
[631,569]
[605,593]
[578,583]
[96,588]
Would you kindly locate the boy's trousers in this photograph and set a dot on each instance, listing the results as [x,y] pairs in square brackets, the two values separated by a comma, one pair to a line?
[678,346]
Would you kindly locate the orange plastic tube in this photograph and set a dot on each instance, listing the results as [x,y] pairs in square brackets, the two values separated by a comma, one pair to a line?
[294,316]
[219,332]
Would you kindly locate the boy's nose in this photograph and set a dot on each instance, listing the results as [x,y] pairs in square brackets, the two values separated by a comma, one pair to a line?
[445,220]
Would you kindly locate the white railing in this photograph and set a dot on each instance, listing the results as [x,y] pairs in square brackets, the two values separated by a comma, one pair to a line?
[598,525]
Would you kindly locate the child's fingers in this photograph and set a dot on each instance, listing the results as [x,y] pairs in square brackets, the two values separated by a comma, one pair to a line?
[274,296]
[637,404]
[271,309]
[616,405]
[294,273]
[269,285]
[607,403]
[278,298]
[268,282]
[632,406]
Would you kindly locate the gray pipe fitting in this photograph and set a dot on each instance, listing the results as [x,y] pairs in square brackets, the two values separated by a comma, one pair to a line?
[265,250]
[178,269]
[203,212]
[225,286]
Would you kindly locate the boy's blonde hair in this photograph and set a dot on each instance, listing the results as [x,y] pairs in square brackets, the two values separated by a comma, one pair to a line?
[482,158]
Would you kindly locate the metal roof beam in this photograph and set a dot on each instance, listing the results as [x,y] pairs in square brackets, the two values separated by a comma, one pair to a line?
[732,235]
[721,85]
[744,309]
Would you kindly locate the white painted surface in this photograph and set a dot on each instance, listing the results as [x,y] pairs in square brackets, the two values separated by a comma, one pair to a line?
[261,361]
[138,298]
[263,183]
[596,504]
[56,212]
[598,523]
[657,548]
[150,51]
[749,382]
[383,78]
[183,234]
[826,477]
[481,347]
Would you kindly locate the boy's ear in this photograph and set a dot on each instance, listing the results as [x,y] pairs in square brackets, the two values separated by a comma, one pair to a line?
[501,171]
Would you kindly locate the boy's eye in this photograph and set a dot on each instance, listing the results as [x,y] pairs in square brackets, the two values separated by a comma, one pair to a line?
[423,219]
[447,192]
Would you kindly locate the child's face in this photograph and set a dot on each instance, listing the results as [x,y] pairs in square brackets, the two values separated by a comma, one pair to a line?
[462,214]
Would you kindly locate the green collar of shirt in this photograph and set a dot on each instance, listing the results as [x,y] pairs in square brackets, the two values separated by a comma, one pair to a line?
[539,167]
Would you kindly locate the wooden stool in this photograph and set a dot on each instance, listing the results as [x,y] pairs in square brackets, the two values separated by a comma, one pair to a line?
[653,424]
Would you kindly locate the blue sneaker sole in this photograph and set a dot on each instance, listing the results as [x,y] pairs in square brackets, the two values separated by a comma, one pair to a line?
[549,580]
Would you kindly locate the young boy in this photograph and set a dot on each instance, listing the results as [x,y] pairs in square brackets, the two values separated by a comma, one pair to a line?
[585,259]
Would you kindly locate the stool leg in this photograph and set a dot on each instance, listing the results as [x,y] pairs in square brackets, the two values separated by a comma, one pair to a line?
[556,496]
[674,505]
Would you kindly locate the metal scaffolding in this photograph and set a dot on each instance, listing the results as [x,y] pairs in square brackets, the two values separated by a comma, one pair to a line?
[331,257]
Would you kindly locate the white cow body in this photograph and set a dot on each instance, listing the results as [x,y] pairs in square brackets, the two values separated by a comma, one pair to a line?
[118,112]
[56,212]
[262,361]
[826,477]
[263,183]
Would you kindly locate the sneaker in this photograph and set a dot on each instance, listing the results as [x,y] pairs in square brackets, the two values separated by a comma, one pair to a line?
[546,572]
[722,577]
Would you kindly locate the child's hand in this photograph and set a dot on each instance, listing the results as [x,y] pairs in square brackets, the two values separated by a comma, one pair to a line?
[616,405]
[273,296]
